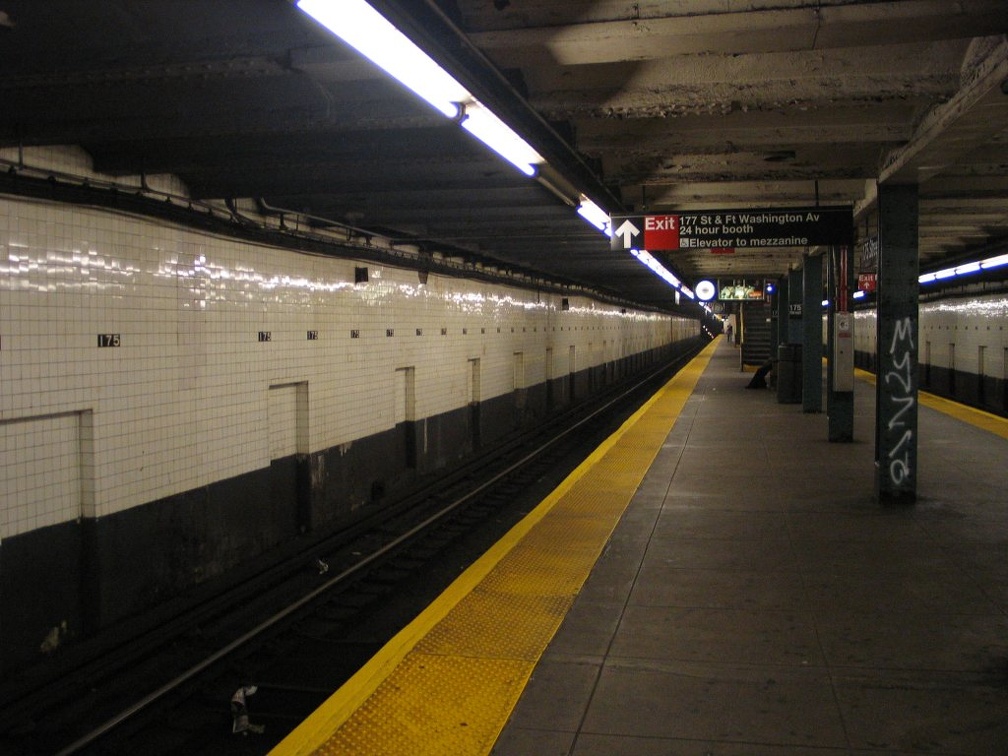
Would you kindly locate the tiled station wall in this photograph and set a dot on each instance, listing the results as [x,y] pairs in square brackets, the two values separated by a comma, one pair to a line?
[962,347]
[156,378]
[165,354]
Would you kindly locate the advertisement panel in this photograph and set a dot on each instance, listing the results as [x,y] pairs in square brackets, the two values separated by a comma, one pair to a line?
[740,291]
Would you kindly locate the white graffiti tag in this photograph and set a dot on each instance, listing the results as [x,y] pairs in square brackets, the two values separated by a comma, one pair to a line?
[902,380]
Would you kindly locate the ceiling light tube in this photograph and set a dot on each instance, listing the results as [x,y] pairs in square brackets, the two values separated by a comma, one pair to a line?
[656,267]
[973,267]
[859,294]
[371,34]
[964,269]
[594,215]
[501,138]
[994,262]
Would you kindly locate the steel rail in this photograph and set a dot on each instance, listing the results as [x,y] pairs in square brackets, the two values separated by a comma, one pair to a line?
[308,598]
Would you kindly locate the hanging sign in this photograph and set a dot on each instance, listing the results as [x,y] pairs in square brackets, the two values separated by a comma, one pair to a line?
[733,229]
[869,255]
[740,290]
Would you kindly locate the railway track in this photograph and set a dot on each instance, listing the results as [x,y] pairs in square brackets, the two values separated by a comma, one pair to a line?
[291,635]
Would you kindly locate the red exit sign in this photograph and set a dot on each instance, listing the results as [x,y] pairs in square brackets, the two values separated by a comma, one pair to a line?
[661,232]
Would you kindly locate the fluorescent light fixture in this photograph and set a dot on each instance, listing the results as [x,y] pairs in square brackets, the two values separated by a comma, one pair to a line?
[973,267]
[594,215]
[994,262]
[658,269]
[859,294]
[374,37]
[500,138]
[825,303]
[687,291]
[964,269]
[371,34]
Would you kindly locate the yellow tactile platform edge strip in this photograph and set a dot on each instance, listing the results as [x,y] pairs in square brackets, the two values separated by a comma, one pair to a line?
[446,684]
[976,417]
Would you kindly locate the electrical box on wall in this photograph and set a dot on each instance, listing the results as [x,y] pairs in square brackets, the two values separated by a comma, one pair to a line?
[843,351]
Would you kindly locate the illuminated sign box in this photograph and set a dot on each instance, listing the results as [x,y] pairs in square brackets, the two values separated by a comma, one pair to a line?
[723,230]
[740,291]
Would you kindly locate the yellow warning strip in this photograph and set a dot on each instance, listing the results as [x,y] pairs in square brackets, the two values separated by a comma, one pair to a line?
[448,681]
[865,376]
[976,417]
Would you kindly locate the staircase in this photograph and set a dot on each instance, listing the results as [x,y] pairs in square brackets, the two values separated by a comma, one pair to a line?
[755,319]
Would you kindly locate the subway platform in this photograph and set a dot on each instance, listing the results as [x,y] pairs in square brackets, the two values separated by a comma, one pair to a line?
[717,579]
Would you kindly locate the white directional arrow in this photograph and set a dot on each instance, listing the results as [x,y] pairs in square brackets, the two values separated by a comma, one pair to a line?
[627,230]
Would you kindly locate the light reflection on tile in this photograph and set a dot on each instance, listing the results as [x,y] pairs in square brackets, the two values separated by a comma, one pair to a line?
[182,401]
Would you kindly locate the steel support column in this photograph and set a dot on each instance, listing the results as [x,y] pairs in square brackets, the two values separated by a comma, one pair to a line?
[795,307]
[782,311]
[775,318]
[812,334]
[840,365]
[896,384]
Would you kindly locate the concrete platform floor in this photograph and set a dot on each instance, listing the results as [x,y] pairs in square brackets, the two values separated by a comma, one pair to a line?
[755,600]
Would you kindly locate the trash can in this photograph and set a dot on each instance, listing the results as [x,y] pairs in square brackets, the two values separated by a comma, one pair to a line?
[789,373]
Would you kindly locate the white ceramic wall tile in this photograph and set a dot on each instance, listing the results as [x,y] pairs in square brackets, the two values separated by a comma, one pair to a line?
[41,480]
[865,330]
[282,420]
[969,324]
[180,397]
